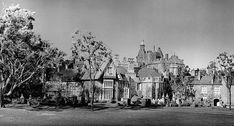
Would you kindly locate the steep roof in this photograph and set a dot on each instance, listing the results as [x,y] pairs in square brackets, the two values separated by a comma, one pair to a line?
[148,72]
[99,73]
[68,74]
[207,80]
[121,70]
[175,59]
[204,80]
[160,52]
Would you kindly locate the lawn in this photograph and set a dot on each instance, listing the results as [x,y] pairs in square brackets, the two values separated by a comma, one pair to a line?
[116,116]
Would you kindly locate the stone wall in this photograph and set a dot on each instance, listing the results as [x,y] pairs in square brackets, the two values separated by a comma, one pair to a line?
[212,94]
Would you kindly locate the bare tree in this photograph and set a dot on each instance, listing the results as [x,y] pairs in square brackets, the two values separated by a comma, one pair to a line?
[226,65]
[92,53]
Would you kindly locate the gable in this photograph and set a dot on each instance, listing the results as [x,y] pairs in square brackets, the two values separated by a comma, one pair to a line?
[99,73]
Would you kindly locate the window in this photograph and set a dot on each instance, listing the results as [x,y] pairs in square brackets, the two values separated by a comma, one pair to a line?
[204,90]
[108,84]
[138,86]
[107,89]
[217,90]
[108,93]
[126,92]
[109,70]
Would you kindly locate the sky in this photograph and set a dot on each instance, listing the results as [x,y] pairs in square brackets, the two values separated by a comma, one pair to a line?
[195,30]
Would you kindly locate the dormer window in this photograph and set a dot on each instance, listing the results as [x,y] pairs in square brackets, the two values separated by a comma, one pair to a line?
[109,70]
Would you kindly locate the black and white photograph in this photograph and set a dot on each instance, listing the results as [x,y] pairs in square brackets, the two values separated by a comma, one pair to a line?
[116,62]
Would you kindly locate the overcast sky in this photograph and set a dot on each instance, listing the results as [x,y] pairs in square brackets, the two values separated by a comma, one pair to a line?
[195,30]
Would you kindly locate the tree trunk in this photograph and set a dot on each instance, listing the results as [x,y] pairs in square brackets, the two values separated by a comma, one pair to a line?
[92,100]
[1,92]
[83,94]
[2,97]
[92,85]
[230,98]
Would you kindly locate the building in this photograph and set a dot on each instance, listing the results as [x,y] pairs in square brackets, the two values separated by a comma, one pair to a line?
[212,90]
[129,64]
[152,68]
[150,83]
[156,59]
[111,82]
[60,79]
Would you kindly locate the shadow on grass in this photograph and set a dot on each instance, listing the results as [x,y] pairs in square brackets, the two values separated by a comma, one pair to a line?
[61,108]
[137,107]
[45,108]
[97,107]
[38,107]
[17,106]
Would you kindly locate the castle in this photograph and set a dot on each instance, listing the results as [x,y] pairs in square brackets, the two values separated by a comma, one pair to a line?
[155,59]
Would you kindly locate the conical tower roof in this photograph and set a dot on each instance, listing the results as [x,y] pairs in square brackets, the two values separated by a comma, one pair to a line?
[160,52]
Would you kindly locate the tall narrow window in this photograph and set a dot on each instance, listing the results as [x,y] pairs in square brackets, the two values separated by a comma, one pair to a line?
[110,70]
[126,92]
[108,89]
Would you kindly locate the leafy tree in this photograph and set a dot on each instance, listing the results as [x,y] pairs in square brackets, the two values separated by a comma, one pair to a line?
[23,54]
[226,65]
[167,88]
[180,83]
[212,67]
[92,53]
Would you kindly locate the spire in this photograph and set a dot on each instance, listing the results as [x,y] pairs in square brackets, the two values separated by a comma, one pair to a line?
[142,43]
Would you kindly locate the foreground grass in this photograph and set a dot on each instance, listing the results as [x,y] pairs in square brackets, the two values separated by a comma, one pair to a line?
[116,116]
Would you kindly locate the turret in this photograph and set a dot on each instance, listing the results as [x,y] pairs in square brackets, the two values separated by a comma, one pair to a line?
[142,55]
[142,46]
[160,52]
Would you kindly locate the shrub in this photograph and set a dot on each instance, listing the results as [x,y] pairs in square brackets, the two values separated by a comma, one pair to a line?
[7,101]
[161,103]
[15,101]
[198,103]
[136,100]
[174,104]
[186,103]
[34,101]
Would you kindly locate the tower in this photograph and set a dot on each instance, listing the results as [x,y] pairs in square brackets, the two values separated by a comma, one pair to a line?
[142,55]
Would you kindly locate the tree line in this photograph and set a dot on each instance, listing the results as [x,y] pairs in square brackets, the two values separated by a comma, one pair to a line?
[25,55]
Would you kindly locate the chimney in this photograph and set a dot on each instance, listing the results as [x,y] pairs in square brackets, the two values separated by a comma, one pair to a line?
[116,59]
[142,46]
[116,56]
[198,75]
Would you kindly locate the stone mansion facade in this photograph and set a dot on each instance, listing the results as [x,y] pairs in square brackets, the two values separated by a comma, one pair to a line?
[152,68]
[156,59]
